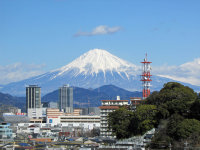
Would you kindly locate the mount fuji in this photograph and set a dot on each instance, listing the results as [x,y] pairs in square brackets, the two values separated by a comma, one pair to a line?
[91,70]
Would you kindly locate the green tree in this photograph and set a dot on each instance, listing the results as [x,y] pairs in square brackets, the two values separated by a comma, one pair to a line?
[119,122]
[154,98]
[194,110]
[172,125]
[187,128]
[175,98]
[144,119]
[175,104]
[125,123]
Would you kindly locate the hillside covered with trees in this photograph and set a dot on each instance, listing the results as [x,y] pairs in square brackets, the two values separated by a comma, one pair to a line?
[173,111]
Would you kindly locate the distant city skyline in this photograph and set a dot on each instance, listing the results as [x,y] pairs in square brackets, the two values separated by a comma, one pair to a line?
[40,36]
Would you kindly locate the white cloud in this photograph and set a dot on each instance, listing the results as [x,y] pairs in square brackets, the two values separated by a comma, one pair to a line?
[100,30]
[188,72]
[18,71]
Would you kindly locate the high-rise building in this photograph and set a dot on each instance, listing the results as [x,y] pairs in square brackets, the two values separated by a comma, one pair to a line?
[33,97]
[33,104]
[107,107]
[66,99]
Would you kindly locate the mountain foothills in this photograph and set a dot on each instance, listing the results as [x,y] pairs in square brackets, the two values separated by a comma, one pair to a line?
[91,70]
[6,99]
[92,97]
[82,97]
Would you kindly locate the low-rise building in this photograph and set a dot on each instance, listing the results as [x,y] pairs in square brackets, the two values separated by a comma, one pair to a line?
[34,113]
[54,116]
[37,120]
[76,112]
[84,121]
[12,118]
[136,101]
[5,131]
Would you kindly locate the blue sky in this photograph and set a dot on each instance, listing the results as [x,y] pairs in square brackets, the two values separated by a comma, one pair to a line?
[41,35]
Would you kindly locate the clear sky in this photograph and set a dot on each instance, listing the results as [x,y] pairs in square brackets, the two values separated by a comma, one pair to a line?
[41,35]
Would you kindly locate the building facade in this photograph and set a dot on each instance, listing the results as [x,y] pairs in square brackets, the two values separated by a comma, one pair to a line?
[5,131]
[85,121]
[66,99]
[107,107]
[55,117]
[33,103]
[134,101]
[33,97]
[49,104]
[35,113]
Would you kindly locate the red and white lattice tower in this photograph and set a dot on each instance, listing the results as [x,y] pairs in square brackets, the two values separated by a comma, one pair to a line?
[146,77]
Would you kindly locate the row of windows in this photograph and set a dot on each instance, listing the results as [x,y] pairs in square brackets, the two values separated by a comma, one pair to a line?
[115,103]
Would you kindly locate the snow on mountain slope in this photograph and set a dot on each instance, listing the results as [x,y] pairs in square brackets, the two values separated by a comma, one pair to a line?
[91,70]
[95,61]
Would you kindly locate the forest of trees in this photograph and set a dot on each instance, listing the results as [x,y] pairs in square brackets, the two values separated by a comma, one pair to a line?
[174,111]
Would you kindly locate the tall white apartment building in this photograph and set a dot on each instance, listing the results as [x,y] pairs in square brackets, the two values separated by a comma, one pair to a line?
[107,107]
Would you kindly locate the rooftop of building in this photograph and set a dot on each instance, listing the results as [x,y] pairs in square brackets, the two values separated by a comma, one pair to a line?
[108,107]
[33,86]
[135,97]
[114,100]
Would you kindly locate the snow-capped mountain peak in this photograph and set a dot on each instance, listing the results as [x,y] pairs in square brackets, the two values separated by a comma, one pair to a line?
[91,70]
[95,61]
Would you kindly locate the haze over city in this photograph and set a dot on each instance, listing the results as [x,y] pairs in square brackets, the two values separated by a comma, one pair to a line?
[40,36]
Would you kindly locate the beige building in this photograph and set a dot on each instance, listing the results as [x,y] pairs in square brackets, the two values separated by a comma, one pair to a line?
[134,101]
[54,116]
[54,112]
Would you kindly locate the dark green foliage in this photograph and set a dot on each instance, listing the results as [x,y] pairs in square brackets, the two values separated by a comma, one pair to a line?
[125,123]
[119,122]
[154,99]
[175,98]
[174,110]
[187,128]
[144,119]
[176,103]
[163,112]
[172,125]
[195,110]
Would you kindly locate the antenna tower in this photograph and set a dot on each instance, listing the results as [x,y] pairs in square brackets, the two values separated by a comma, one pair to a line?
[146,77]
